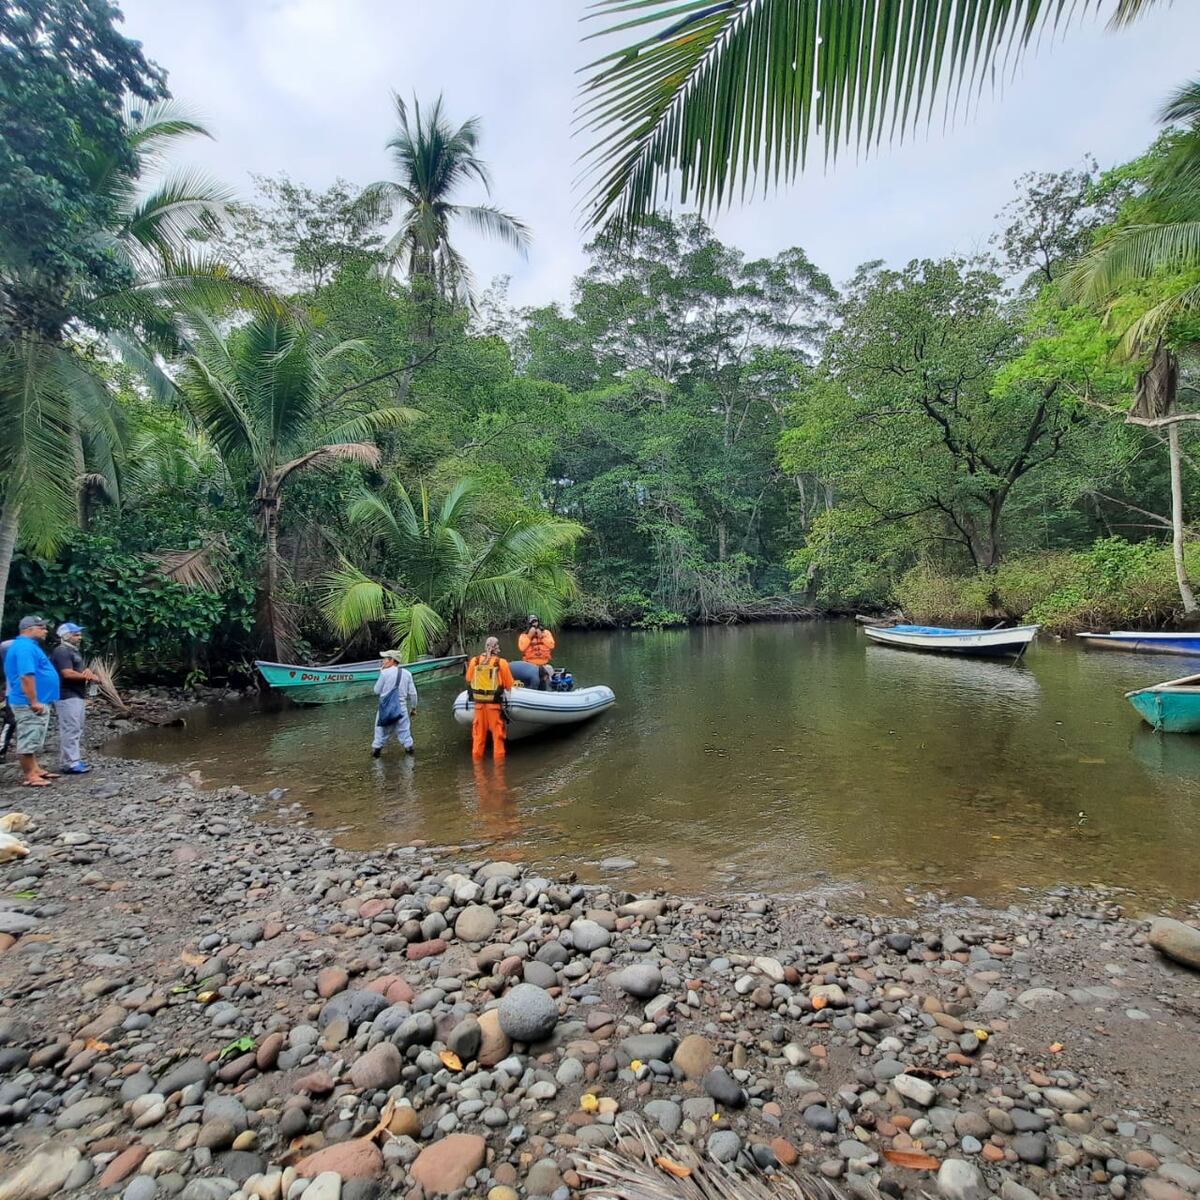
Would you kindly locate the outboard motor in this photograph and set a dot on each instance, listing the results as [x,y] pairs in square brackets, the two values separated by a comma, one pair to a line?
[562,681]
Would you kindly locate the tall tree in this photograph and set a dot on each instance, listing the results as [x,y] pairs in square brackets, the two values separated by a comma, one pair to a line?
[906,419]
[90,263]
[260,395]
[722,94]
[433,160]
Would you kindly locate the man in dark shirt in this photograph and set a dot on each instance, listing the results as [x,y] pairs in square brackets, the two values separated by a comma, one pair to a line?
[71,705]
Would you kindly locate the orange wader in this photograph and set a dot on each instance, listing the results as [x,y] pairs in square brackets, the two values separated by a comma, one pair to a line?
[489,714]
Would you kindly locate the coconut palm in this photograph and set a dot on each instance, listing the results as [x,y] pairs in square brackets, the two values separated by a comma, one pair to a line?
[57,332]
[261,397]
[433,160]
[454,570]
[726,92]
[1166,245]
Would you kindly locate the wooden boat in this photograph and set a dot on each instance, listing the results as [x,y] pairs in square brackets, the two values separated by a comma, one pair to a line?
[1171,707]
[1145,641]
[954,641]
[531,711]
[342,681]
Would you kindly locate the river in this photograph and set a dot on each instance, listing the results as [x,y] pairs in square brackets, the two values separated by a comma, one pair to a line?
[778,757]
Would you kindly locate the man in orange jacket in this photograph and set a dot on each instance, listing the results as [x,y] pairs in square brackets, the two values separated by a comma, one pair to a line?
[488,678]
[536,645]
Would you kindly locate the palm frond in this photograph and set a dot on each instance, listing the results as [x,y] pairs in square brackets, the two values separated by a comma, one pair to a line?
[204,568]
[350,599]
[490,221]
[324,457]
[415,627]
[1153,323]
[719,95]
[106,670]
[1130,254]
[645,1168]
[185,205]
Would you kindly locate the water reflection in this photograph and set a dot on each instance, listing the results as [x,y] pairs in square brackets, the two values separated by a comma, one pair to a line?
[777,756]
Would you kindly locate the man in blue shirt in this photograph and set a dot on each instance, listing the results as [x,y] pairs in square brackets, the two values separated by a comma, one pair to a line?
[32,687]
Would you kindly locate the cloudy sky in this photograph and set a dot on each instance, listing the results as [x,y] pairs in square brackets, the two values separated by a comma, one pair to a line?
[303,87]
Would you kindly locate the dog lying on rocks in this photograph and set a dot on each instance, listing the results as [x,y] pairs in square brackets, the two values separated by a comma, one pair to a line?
[12,847]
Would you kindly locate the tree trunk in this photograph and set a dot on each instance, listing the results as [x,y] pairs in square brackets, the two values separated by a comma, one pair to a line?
[10,520]
[1185,587]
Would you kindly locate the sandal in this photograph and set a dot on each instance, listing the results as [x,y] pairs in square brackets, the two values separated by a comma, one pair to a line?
[35,783]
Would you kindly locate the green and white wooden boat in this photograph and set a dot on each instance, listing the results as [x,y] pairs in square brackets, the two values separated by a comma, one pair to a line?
[342,681]
[1171,707]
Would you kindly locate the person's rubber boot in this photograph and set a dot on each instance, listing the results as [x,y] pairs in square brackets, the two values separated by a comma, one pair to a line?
[410,749]
[377,751]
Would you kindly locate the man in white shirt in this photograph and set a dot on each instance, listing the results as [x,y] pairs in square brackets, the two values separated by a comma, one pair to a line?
[397,704]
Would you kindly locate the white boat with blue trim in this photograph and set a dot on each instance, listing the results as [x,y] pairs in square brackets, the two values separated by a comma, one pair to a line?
[533,711]
[1145,641]
[954,641]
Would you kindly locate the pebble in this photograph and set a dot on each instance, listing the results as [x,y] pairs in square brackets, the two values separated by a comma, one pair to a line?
[528,1014]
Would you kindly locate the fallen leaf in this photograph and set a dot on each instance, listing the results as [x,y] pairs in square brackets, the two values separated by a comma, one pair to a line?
[672,1167]
[451,1060]
[96,1044]
[912,1159]
[930,1073]
[819,1002]
[1057,1047]
[589,1103]
[385,1119]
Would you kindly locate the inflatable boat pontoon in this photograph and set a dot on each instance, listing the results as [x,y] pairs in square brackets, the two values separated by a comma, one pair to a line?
[531,711]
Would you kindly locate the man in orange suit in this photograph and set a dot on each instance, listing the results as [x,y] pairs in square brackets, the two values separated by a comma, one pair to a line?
[537,645]
[489,677]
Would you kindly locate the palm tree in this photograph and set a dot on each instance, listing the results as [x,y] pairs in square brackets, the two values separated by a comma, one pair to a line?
[1161,254]
[57,333]
[433,160]
[728,91]
[454,569]
[1166,244]
[260,395]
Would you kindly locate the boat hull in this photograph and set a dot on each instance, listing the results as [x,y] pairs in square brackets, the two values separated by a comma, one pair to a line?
[1145,643]
[1172,707]
[531,711]
[344,681]
[997,642]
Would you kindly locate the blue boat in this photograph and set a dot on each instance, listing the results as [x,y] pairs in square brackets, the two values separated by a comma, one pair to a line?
[1171,707]
[1145,641]
[954,641]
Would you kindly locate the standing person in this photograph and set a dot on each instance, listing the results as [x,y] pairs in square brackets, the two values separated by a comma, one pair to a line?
[536,645]
[71,707]
[397,704]
[9,727]
[32,686]
[488,678]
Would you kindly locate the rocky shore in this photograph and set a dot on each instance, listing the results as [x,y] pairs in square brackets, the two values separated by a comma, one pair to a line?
[200,1000]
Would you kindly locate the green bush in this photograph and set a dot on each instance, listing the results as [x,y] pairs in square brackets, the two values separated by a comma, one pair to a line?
[155,627]
[1114,582]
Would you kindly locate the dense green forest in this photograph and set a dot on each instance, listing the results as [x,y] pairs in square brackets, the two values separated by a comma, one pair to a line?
[297,425]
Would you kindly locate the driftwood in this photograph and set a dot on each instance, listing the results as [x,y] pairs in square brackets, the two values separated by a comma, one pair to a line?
[106,670]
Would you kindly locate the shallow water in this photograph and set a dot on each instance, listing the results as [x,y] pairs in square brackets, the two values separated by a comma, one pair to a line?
[779,757]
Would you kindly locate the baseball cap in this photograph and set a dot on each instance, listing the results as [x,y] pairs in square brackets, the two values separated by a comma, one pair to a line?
[68,627]
[30,622]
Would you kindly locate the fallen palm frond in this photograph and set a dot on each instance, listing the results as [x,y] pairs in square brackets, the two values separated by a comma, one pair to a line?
[105,671]
[204,567]
[643,1168]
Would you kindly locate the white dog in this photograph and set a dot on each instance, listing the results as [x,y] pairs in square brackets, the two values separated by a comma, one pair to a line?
[12,847]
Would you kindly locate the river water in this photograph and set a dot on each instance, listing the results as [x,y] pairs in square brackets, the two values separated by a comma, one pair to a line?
[775,757]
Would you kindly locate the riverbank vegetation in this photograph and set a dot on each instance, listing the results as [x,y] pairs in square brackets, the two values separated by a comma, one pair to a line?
[295,424]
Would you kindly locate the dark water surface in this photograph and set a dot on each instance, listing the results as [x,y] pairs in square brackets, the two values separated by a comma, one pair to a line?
[779,757]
